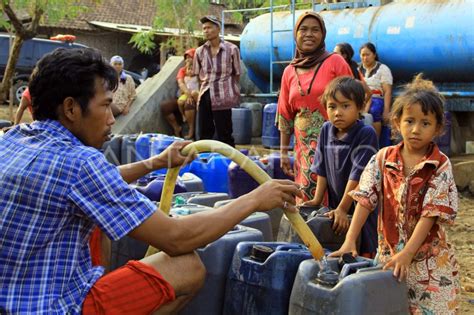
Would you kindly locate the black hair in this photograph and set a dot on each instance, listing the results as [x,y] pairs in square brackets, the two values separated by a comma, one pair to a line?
[423,92]
[347,50]
[349,87]
[370,47]
[68,73]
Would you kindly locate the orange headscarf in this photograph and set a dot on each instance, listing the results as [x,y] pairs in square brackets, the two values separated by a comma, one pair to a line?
[190,52]
[309,59]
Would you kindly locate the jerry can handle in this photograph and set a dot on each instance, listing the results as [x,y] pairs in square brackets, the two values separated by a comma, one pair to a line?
[347,268]
[291,247]
[374,268]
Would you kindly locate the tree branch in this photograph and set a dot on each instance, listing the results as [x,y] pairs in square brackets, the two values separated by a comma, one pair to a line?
[38,13]
[17,25]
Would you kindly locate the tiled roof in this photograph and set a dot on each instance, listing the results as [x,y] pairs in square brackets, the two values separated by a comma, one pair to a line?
[135,12]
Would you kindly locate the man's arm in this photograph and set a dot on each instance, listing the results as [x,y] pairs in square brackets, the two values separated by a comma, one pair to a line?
[169,158]
[177,236]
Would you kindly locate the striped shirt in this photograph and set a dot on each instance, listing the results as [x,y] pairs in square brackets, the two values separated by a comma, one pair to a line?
[218,74]
[54,192]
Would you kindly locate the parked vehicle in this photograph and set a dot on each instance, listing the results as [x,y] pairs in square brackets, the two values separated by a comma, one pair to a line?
[137,78]
[31,51]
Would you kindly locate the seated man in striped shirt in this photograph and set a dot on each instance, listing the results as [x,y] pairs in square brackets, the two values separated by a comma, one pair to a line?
[57,187]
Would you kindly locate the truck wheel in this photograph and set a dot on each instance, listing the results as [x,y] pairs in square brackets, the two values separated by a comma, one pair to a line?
[18,88]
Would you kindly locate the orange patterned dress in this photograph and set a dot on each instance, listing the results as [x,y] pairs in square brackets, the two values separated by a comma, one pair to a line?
[428,191]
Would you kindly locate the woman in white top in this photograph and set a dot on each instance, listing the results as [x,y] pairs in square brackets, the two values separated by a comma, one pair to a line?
[379,79]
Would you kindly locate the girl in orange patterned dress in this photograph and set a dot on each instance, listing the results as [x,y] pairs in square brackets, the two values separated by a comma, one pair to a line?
[413,182]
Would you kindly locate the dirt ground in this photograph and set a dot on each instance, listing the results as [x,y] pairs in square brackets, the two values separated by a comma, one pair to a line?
[461,234]
[5,113]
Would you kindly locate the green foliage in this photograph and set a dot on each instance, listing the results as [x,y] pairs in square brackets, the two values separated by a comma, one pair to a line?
[56,10]
[250,4]
[143,41]
[182,14]
[173,14]
[52,10]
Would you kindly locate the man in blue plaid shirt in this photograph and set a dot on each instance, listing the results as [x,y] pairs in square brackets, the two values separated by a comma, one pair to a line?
[57,187]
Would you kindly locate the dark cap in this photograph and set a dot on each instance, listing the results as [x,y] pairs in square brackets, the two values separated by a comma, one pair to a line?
[211,18]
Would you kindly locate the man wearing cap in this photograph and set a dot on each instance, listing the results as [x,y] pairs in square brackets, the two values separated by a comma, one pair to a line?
[125,92]
[217,63]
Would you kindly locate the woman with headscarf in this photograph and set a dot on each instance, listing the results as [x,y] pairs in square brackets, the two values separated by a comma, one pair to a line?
[299,108]
[125,92]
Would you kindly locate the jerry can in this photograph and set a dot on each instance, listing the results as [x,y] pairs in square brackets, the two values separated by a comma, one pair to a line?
[354,287]
[256,109]
[274,214]
[257,220]
[319,224]
[152,186]
[212,169]
[192,182]
[200,198]
[128,150]
[217,258]
[143,145]
[112,149]
[272,161]
[242,125]
[260,277]
[240,182]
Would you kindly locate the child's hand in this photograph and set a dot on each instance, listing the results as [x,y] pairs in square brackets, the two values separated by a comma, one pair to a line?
[400,263]
[341,221]
[348,247]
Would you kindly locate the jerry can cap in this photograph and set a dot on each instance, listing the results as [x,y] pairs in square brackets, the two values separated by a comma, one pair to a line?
[260,252]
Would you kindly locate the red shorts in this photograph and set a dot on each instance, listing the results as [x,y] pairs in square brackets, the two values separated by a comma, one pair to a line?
[135,288]
[95,244]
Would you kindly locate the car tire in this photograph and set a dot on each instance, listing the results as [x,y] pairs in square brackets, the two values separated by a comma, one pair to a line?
[18,88]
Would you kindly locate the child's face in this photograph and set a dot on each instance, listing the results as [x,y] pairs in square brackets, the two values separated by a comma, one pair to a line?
[416,128]
[189,67]
[342,112]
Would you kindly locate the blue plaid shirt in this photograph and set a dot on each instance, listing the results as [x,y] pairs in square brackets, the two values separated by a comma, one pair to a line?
[54,191]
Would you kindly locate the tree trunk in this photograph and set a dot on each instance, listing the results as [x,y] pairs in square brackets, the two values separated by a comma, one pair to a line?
[10,69]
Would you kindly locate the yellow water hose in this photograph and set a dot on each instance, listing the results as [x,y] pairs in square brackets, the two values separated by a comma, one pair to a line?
[299,225]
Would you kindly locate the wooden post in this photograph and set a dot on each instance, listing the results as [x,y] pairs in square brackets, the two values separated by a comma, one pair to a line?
[10,106]
[163,51]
